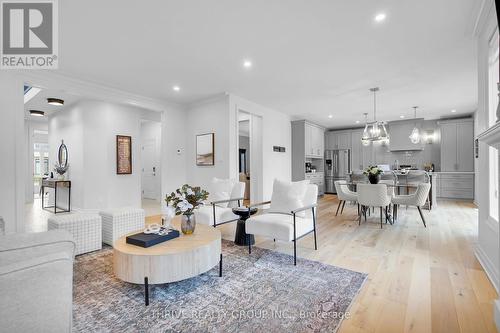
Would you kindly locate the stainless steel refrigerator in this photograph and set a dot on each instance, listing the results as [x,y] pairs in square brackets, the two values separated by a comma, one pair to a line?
[337,167]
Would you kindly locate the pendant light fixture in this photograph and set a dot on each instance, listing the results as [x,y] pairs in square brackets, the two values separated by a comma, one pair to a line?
[375,130]
[364,137]
[415,133]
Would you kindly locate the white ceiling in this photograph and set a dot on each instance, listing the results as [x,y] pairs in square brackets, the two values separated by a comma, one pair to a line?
[310,58]
[39,102]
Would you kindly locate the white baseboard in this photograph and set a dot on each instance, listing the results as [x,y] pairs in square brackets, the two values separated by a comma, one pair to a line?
[488,266]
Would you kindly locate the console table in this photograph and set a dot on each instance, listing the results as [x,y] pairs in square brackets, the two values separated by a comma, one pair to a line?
[55,184]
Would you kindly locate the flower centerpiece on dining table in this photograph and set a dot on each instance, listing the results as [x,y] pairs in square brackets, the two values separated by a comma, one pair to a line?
[373,172]
[185,200]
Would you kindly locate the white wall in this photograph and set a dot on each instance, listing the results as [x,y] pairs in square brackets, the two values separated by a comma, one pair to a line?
[173,148]
[487,249]
[276,131]
[12,151]
[209,116]
[89,130]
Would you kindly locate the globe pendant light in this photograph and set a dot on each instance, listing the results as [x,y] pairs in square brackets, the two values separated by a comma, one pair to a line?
[375,130]
[415,133]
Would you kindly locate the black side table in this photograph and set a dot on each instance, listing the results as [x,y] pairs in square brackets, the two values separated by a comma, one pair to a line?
[241,236]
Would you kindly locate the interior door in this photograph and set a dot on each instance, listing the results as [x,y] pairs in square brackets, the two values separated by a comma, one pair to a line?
[149,170]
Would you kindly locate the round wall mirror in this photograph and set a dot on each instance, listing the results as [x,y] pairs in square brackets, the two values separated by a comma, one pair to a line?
[63,155]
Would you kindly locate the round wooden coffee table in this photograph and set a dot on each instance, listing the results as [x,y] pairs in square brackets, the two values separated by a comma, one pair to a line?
[174,260]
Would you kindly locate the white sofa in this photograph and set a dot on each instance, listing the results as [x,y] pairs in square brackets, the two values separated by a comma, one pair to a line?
[219,208]
[36,282]
[121,221]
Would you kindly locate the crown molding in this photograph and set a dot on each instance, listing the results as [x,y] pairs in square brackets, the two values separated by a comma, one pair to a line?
[61,81]
[483,12]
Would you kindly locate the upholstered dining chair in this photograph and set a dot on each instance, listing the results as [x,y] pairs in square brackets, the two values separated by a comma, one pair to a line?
[373,195]
[225,194]
[417,199]
[286,223]
[344,194]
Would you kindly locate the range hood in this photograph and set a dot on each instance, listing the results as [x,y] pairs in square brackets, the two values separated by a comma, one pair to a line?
[400,131]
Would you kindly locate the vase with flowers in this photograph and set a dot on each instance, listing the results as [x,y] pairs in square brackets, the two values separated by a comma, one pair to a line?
[373,172]
[185,200]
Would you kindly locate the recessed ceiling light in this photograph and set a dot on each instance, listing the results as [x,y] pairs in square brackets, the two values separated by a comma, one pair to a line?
[330,116]
[37,113]
[55,101]
[176,88]
[453,111]
[402,117]
[357,121]
[380,17]
[247,64]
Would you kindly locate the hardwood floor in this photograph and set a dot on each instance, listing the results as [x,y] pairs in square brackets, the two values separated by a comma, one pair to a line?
[420,279]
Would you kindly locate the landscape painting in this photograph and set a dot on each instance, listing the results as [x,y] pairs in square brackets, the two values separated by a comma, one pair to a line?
[205,149]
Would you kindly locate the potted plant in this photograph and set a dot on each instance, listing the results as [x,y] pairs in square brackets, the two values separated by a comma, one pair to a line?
[185,200]
[373,172]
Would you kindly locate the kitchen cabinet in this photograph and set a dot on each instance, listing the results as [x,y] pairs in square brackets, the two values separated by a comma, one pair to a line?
[457,145]
[338,140]
[356,150]
[455,185]
[314,140]
[308,142]
[317,178]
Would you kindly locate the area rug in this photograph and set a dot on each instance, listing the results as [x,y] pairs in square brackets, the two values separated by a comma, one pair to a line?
[261,292]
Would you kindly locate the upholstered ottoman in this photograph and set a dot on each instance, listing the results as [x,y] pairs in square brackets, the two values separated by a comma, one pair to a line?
[85,228]
[121,221]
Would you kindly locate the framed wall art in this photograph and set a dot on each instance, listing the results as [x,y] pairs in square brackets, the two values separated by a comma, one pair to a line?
[205,146]
[123,155]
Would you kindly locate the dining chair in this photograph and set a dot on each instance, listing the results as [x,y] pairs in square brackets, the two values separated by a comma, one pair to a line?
[417,199]
[373,195]
[344,194]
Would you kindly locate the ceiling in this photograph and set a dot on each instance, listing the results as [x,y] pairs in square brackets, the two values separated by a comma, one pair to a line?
[39,102]
[310,59]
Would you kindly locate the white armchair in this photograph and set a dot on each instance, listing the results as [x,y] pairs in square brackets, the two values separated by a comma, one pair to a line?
[225,194]
[287,224]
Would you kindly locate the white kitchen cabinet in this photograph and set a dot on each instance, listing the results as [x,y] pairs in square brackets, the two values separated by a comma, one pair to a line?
[457,145]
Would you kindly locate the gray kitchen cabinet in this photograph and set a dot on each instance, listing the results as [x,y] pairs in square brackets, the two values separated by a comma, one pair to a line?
[344,140]
[455,185]
[332,140]
[308,144]
[457,145]
[356,150]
